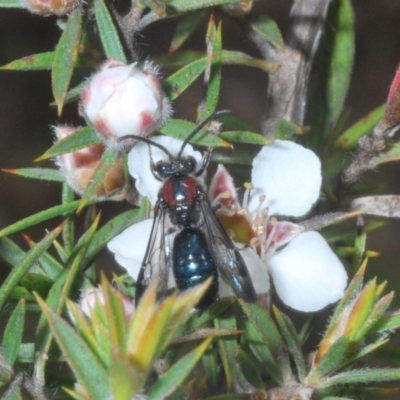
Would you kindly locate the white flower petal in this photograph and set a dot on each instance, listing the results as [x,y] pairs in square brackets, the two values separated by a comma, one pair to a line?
[139,163]
[130,245]
[307,274]
[290,177]
[257,270]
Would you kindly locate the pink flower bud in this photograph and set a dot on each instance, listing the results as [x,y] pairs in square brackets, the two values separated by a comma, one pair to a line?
[124,100]
[78,168]
[51,7]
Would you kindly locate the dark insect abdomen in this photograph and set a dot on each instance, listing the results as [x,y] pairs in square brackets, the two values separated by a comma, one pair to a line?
[193,263]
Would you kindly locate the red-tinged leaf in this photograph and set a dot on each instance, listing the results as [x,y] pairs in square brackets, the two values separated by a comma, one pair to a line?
[176,375]
[26,263]
[41,61]
[13,334]
[65,57]
[85,365]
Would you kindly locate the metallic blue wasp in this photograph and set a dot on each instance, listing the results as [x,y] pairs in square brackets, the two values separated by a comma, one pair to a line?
[186,237]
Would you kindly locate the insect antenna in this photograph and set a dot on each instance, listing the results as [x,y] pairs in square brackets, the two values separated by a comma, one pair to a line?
[201,126]
[145,140]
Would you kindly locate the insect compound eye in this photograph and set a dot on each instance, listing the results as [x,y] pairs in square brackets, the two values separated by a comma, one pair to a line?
[162,169]
[190,164]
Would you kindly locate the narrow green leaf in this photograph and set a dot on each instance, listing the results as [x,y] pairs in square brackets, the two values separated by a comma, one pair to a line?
[181,129]
[80,139]
[178,82]
[11,3]
[292,339]
[184,29]
[115,227]
[342,58]
[157,6]
[79,357]
[250,370]
[239,58]
[121,374]
[244,137]
[41,61]
[363,376]
[108,32]
[69,228]
[212,76]
[231,396]
[286,130]
[46,174]
[352,290]
[23,267]
[336,398]
[228,350]
[185,5]
[331,361]
[263,352]
[10,252]
[65,57]
[269,30]
[349,138]
[26,353]
[13,334]
[56,211]
[388,322]
[107,160]
[175,376]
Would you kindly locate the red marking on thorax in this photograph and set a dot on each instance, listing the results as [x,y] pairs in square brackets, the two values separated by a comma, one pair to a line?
[179,190]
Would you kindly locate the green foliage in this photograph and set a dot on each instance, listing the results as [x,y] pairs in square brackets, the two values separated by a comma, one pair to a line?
[168,349]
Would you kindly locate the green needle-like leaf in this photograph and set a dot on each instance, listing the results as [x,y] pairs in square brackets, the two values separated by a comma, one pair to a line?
[85,365]
[363,376]
[342,57]
[46,174]
[56,211]
[41,61]
[175,376]
[80,139]
[65,57]
[294,346]
[25,264]
[184,29]
[185,5]
[228,350]
[178,82]
[11,3]
[244,137]
[269,30]
[181,129]
[13,334]
[108,32]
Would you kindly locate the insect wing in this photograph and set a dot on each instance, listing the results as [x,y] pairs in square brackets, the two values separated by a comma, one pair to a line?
[157,259]
[229,260]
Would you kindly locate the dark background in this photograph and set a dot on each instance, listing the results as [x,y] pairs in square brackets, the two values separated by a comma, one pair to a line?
[26,117]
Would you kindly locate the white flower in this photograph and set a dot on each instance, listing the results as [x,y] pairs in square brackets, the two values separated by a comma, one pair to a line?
[122,100]
[286,180]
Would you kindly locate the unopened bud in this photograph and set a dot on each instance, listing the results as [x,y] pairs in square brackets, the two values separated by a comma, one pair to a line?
[122,100]
[78,168]
[51,7]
